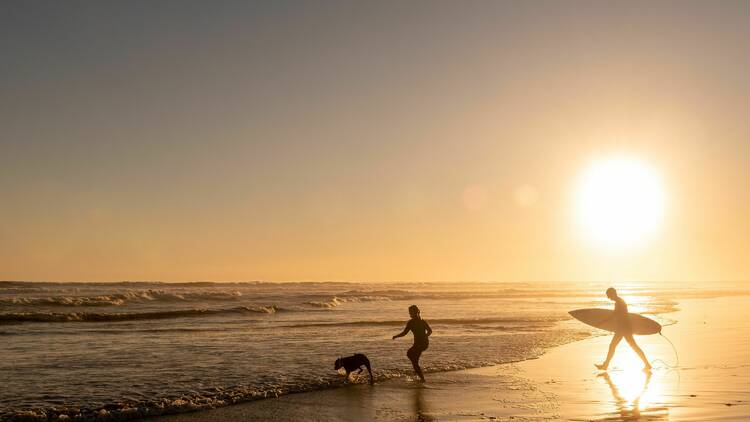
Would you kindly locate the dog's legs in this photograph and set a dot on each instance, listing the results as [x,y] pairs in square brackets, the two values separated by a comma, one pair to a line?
[369,371]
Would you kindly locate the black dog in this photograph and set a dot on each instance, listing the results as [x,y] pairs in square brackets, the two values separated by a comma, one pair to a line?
[352,363]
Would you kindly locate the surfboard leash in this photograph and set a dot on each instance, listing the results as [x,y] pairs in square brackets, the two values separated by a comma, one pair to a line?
[677,356]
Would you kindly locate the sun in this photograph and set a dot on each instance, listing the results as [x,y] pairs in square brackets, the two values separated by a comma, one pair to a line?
[620,201]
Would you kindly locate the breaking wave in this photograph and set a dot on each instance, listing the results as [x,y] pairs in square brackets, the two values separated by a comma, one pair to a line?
[336,301]
[15,317]
[119,299]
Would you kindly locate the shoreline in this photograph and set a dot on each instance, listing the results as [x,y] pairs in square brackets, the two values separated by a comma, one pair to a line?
[552,386]
[399,382]
[268,406]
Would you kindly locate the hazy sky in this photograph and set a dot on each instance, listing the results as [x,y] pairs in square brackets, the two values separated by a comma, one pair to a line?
[350,141]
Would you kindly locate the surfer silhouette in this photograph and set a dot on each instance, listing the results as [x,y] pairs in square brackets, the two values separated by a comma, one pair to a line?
[623,330]
[421,330]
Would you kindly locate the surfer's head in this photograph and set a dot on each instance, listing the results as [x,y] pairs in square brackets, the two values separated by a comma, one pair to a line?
[414,311]
[612,293]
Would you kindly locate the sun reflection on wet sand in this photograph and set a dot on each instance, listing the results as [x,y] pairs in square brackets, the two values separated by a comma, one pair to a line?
[636,393]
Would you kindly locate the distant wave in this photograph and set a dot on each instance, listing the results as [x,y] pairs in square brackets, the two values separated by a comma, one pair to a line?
[119,299]
[125,291]
[157,284]
[511,293]
[520,323]
[14,317]
[336,301]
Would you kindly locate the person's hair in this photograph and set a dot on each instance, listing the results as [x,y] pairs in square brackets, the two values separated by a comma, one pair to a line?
[611,292]
[414,309]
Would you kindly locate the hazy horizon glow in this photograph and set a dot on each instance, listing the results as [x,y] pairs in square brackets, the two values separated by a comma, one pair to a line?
[382,141]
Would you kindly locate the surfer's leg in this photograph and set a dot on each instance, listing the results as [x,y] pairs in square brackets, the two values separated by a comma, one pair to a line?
[612,347]
[631,341]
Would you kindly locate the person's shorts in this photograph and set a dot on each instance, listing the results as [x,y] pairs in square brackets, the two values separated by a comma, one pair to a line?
[418,348]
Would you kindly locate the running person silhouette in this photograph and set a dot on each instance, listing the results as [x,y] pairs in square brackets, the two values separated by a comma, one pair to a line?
[623,330]
[421,330]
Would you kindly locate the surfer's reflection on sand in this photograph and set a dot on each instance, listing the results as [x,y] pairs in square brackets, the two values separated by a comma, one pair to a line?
[420,410]
[632,398]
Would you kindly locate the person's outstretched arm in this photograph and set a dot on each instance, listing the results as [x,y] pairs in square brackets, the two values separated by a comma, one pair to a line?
[403,333]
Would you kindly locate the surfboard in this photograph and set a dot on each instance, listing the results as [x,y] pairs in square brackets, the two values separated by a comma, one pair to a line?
[602,319]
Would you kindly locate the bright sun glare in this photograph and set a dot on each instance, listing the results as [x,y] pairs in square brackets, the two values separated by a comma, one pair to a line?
[620,201]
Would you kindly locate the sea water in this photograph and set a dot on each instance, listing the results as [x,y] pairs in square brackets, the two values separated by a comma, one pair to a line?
[114,351]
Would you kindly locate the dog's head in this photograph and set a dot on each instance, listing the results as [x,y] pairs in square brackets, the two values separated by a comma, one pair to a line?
[339,363]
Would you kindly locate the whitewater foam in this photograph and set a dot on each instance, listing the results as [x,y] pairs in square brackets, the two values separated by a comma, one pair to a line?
[137,316]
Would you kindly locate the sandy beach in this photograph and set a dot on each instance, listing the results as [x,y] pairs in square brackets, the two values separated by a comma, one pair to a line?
[710,383]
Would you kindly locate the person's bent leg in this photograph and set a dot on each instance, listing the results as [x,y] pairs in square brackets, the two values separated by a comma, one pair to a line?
[413,355]
[637,349]
[611,352]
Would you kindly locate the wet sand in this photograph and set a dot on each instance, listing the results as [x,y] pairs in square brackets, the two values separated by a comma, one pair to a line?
[712,382]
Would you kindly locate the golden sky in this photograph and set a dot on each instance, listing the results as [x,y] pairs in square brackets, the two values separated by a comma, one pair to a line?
[377,142]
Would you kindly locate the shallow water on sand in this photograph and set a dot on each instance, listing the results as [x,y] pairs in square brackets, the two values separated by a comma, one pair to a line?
[129,349]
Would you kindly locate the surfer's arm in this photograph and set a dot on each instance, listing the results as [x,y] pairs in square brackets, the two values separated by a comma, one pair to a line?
[403,333]
[617,316]
[428,330]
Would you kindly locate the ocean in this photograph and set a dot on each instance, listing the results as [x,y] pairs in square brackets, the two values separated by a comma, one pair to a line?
[118,351]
